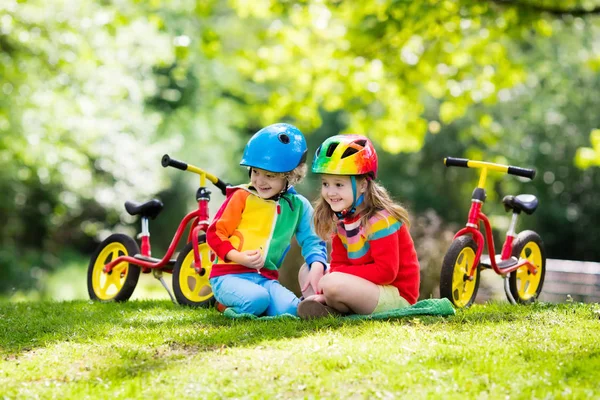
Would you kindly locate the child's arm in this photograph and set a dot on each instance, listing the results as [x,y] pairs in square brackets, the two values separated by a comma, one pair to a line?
[225,223]
[248,258]
[388,253]
[313,247]
[339,255]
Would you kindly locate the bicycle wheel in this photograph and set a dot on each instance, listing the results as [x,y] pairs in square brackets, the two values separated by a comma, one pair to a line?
[524,286]
[118,285]
[454,284]
[190,287]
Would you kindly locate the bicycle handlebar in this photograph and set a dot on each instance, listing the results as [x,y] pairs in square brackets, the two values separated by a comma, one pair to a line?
[465,163]
[524,172]
[171,162]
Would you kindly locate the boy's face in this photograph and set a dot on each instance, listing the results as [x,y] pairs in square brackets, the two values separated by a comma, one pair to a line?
[267,184]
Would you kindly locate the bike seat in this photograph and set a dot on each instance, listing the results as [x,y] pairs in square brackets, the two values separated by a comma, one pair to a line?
[149,209]
[522,202]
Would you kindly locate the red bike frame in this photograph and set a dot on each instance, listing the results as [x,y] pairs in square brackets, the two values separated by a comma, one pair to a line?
[199,218]
[476,215]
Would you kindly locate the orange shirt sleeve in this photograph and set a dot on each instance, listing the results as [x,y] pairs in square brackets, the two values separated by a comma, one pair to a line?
[225,223]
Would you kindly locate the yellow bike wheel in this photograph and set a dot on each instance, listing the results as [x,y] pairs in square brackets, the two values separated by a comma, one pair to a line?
[118,285]
[192,288]
[454,284]
[525,286]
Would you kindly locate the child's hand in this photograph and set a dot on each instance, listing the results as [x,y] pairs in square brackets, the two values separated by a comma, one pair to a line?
[317,270]
[249,258]
[252,259]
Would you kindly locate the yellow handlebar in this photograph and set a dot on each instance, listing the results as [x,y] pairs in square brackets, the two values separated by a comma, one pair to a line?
[485,166]
[201,172]
[508,169]
[170,162]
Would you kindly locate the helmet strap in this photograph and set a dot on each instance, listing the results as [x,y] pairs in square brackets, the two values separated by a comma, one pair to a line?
[348,212]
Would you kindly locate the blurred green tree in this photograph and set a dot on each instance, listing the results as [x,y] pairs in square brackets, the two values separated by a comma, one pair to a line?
[95,94]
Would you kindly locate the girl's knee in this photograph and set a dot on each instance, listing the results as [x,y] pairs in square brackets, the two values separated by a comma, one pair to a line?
[333,289]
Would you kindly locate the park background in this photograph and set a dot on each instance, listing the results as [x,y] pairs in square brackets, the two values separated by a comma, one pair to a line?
[94,93]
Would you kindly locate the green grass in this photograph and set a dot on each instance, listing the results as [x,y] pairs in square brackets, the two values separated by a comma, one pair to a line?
[154,349]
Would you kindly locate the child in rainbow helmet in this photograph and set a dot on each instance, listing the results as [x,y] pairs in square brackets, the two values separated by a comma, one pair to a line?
[252,231]
[374,265]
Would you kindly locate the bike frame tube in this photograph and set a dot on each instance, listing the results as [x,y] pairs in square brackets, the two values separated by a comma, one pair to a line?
[507,247]
[149,264]
[480,242]
[476,215]
[145,249]
[200,224]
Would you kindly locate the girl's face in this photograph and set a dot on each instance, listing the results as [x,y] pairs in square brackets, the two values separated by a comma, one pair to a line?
[337,191]
[267,184]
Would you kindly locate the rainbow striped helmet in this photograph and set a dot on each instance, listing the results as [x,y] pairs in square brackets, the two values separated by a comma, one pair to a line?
[346,155]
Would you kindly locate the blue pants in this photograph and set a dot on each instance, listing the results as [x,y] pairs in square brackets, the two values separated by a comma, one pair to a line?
[254,294]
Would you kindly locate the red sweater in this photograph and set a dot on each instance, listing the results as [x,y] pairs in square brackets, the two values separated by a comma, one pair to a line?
[384,255]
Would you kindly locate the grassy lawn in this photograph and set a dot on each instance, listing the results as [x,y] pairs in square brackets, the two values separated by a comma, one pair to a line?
[154,349]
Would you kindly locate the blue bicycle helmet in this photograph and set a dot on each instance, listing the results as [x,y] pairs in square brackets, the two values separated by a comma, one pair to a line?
[276,148]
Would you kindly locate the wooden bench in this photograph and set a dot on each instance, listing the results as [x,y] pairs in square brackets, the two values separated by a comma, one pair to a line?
[578,279]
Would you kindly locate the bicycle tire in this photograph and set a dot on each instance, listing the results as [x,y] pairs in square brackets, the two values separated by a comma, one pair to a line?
[190,287]
[524,286]
[106,287]
[455,268]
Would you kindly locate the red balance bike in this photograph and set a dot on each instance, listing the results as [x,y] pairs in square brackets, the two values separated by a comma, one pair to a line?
[522,262]
[116,264]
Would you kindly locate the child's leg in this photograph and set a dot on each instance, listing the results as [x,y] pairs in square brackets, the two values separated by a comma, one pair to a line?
[303,280]
[317,297]
[390,299]
[349,293]
[283,301]
[241,293]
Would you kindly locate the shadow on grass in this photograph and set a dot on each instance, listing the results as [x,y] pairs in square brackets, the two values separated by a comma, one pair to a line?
[27,326]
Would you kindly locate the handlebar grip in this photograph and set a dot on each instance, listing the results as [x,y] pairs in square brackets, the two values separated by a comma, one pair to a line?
[524,172]
[222,185]
[170,162]
[456,162]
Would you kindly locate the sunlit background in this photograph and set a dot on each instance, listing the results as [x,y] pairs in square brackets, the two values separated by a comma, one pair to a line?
[94,92]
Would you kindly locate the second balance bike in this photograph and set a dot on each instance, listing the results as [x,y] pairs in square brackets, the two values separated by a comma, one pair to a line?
[522,262]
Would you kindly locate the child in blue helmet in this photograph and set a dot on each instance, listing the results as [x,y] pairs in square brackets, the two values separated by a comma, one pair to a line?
[252,231]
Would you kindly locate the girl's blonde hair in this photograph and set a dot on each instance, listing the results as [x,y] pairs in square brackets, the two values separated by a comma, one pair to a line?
[376,200]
